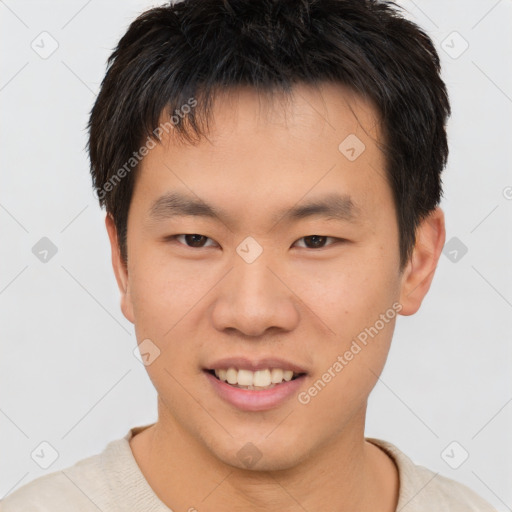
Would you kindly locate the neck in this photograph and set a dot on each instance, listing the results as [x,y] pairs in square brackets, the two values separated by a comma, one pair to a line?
[343,475]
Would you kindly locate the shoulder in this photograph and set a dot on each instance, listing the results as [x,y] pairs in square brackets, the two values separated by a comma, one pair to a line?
[80,487]
[422,490]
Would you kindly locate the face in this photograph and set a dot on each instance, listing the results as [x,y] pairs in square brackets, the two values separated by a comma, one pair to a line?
[267,281]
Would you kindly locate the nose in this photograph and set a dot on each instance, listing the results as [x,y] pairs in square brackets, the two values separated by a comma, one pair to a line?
[254,298]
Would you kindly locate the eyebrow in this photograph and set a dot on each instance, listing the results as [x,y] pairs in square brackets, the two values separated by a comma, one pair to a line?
[331,206]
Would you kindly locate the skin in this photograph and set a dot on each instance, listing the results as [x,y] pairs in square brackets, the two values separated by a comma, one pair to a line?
[295,301]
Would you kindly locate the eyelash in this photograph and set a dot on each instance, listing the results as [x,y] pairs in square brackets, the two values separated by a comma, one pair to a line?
[173,238]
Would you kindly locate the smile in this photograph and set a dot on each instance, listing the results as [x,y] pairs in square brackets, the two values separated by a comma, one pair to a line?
[251,397]
[254,380]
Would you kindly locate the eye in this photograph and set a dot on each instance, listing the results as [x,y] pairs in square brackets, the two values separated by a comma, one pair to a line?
[317,241]
[195,240]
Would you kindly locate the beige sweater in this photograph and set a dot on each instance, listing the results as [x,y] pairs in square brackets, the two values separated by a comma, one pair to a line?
[112,481]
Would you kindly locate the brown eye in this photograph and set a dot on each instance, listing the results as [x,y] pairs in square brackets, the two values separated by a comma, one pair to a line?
[316,241]
[193,240]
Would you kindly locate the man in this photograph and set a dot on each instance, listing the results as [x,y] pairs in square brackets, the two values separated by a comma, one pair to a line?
[271,175]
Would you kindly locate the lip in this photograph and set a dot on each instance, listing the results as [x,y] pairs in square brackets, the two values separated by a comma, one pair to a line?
[243,363]
[252,400]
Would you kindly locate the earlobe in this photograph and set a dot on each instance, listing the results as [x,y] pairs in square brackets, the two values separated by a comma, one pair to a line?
[120,269]
[419,272]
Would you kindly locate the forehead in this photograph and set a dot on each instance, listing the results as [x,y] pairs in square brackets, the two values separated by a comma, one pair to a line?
[329,108]
[269,152]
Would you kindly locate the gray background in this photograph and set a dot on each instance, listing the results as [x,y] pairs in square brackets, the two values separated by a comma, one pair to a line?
[68,373]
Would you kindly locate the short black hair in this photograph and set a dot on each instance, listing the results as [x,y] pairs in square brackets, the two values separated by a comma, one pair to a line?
[193,49]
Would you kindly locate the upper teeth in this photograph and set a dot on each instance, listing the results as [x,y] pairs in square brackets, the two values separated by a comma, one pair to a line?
[260,378]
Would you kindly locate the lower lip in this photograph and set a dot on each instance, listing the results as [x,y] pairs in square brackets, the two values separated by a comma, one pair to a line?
[252,400]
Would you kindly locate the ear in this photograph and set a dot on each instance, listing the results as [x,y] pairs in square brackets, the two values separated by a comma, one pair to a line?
[419,272]
[120,269]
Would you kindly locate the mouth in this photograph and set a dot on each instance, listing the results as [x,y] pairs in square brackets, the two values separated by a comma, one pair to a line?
[253,385]
[257,380]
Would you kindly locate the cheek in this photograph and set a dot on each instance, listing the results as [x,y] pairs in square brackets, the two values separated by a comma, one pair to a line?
[348,367]
[163,291]
[349,299]
[166,294]
[162,298]
[347,295]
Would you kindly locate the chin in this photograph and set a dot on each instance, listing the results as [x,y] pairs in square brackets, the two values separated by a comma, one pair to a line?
[255,453]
